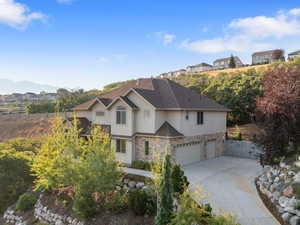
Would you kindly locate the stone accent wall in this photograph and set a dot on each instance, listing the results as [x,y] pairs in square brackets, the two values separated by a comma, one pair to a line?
[159,145]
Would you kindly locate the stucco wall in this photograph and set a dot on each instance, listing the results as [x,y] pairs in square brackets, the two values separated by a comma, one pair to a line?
[145,115]
[103,120]
[86,114]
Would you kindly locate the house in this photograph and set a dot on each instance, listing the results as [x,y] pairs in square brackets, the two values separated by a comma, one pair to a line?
[202,67]
[293,55]
[178,72]
[266,57]
[148,115]
[223,63]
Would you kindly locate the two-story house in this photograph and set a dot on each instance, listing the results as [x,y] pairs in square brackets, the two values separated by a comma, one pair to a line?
[148,115]
[202,67]
[293,55]
[266,57]
[224,63]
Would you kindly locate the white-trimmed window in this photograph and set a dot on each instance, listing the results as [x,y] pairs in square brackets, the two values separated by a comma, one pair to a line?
[200,118]
[99,113]
[121,145]
[121,115]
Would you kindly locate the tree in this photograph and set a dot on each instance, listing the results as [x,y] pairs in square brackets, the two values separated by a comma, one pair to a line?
[85,166]
[278,111]
[232,63]
[165,195]
[179,181]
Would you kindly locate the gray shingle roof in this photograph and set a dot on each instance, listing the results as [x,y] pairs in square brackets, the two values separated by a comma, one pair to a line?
[167,130]
[163,94]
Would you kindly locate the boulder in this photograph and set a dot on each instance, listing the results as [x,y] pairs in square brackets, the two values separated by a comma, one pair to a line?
[288,191]
[131,184]
[286,216]
[297,163]
[140,185]
[294,220]
[276,180]
[297,177]
[280,209]
[283,201]
[276,195]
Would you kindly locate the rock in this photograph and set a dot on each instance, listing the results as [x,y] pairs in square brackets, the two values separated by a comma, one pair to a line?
[140,185]
[267,169]
[131,184]
[126,181]
[286,216]
[276,195]
[280,209]
[276,180]
[297,163]
[283,201]
[282,165]
[273,187]
[288,191]
[297,177]
[290,209]
[294,220]
[291,173]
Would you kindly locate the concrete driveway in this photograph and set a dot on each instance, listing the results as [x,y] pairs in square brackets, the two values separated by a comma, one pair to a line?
[228,185]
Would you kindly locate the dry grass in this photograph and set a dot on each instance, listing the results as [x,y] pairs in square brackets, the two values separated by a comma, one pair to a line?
[248,131]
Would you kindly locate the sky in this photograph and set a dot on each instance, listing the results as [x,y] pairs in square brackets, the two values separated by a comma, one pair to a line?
[91,43]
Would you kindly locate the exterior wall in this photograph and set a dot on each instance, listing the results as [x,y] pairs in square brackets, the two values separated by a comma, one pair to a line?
[214,122]
[144,117]
[103,120]
[242,149]
[122,129]
[86,114]
[126,157]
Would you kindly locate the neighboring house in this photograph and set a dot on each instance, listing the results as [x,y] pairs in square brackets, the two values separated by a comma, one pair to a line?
[293,55]
[178,72]
[202,67]
[266,57]
[224,63]
[146,116]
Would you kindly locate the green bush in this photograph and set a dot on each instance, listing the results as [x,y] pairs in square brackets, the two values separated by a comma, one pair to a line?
[142,202]
[296,189]
[26,202]
[142,165]
[178,179]
[84,205]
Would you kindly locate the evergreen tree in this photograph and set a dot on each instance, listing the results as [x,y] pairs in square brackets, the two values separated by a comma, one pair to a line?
[179,181]
[165,195]
[232,62]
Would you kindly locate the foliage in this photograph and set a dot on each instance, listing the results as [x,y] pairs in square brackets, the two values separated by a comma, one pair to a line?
[223,220]
[88,166]
[26,202]
[165,195]
[143,165]
[190,212]
[41,107]
[296,190]
[278,110]
[142,202]
[296,205]
[178,179]
[232,62]
[15,158]
[237,134]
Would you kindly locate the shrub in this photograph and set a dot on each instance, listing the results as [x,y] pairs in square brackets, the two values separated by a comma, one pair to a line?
[26,202]
[296,205]
[223,220]
[179,180]
[296,189]
[143,165]
[142,202]
[84,205]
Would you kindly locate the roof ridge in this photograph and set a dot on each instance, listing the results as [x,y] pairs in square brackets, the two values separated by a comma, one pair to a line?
[168,82]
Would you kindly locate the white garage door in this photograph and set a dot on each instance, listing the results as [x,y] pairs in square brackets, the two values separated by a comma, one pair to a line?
[211,149]
[188,154]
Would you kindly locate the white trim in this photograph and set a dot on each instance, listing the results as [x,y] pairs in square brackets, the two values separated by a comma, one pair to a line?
[132,90]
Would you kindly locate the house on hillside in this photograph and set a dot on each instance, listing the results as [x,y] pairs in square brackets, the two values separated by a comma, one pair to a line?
[202,67]
[266,57]
[293,55]
[178,72]
[223,63]
[146,116]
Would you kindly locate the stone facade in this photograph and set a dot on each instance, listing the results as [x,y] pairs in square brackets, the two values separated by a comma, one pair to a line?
[158,145]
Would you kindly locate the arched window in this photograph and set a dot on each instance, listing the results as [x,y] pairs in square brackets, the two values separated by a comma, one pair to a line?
[121,115]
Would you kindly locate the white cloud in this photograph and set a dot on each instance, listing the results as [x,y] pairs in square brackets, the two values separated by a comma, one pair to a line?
[113,58]
[166,38]
[295,12]
[17,15]
[65,1]
[252,33]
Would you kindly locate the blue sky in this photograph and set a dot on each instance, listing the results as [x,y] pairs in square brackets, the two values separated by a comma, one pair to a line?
[90,43]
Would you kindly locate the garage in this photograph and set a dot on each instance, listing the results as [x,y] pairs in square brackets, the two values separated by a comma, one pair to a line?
[189,153]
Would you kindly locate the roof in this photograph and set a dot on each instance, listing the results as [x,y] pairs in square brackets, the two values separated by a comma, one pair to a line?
[225,59]
[124,99]
[295,53]
[166,130]
[201,64]
[267,52]
[163,94]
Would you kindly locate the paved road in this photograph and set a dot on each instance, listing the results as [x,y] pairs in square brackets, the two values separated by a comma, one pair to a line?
[228,185]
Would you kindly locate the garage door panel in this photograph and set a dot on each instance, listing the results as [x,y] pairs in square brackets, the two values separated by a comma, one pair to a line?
[188,154]
[211,149]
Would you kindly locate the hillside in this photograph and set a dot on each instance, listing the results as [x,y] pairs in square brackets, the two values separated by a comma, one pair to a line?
[13,126]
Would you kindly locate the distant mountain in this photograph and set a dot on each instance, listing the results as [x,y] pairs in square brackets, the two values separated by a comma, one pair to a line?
[9,87]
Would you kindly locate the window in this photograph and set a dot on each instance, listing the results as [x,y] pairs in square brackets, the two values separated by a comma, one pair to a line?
[99,113]
[200,118]
[121,115]
[146,147]
[121,145]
